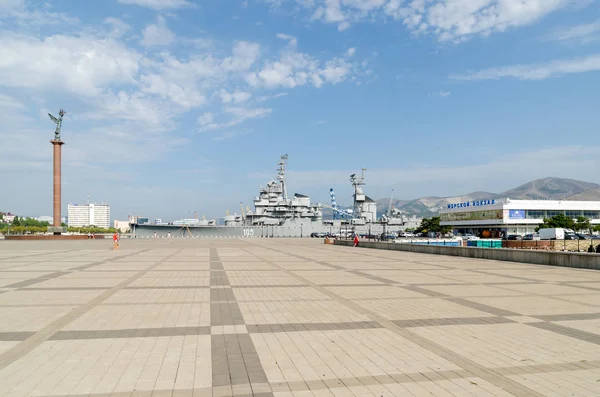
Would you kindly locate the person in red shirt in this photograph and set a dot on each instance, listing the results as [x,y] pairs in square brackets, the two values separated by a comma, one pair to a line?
[356,240]
[115,241]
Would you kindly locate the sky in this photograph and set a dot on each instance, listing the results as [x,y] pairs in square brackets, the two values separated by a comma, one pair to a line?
[176,106]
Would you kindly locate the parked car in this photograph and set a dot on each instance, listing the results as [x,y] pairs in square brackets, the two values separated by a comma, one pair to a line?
[514,237]
[531,236]
[470,237]
[582,236]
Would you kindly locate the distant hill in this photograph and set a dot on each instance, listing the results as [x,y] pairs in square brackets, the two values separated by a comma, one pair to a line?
[550,189]
[588,195]
[539,189]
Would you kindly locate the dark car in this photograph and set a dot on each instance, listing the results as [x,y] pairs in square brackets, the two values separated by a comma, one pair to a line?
[582,236]
[514,237]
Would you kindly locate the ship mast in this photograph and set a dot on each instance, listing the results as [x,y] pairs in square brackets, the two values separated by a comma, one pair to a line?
[358,192]
[281,175]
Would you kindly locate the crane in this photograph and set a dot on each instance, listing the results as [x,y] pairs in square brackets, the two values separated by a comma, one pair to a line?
[243,213]
[347,213]
[336,213]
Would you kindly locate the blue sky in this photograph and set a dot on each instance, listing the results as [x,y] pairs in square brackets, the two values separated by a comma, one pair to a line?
[175,106]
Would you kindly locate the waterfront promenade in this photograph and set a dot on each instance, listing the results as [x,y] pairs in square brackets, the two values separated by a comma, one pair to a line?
[289,317]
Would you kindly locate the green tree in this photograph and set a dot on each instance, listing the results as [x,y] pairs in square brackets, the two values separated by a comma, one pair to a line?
[16,221]
[433,225]
[582,223]
[560,220]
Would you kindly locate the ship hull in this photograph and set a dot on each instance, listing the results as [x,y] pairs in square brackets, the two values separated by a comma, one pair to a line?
[288,229]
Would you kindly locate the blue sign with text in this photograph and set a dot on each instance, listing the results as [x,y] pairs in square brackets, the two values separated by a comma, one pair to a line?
[516,214]
[476,203]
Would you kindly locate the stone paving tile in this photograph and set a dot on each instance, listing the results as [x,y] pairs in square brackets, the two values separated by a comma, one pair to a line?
[532,305]
[254,317]
[25,297]
[282,312]
[498,345]
[411,309]
[269,293]
[470,290]
[150,315]
[567,383]
[158,295]
[374,292]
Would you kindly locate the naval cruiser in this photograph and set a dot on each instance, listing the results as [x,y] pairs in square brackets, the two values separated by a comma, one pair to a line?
[276,214]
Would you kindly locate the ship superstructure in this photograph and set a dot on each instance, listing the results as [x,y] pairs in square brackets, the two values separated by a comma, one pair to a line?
[274,207]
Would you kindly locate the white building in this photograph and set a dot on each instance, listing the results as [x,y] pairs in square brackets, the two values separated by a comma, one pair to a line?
[122,226]
[89,215]
[506,216]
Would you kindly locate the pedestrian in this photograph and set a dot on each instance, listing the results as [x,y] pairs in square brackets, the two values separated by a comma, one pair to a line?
[115,241]
[356,240]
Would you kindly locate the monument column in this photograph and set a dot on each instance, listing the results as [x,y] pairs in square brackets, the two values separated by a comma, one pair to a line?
[57,146]
[57,143]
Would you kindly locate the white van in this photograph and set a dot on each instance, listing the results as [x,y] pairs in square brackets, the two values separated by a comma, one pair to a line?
[557,233]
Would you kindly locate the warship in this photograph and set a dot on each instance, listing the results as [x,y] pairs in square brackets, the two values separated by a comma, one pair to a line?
[276,214]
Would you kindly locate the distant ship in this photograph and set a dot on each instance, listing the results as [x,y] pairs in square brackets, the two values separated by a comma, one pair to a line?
[276,214]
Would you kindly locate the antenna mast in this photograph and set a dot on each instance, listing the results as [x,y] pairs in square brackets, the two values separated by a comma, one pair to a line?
[281,175]
[359,195]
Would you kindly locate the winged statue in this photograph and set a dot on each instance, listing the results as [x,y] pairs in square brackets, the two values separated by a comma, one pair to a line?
[58,122]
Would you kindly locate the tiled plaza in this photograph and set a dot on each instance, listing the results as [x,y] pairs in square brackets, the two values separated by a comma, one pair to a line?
[289,317]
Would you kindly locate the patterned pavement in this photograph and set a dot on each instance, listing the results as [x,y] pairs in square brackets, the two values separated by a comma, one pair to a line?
[289,317]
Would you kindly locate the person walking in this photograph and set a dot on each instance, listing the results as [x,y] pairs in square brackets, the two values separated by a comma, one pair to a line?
[356,240]
[115,241]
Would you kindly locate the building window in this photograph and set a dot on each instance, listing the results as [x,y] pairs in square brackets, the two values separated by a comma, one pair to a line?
[573,214]
[536,214]
[552,213]
[592,214]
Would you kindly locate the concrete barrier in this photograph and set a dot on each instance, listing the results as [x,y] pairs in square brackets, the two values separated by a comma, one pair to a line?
[549,258]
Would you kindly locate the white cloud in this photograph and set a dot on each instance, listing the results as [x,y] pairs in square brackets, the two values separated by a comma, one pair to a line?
[206,119]
[26,14]
[234,115]
[119,27]
[441,94]
[80,65]
[296,69]
[584,33]
[537,71]
[351,52]
[448,20]
[158,4]
[157,34]
[235,97]
[292,41]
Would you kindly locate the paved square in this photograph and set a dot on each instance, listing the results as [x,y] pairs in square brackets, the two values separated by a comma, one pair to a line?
[289,317]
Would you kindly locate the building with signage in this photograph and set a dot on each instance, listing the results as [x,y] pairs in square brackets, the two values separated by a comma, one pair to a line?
[497,218]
